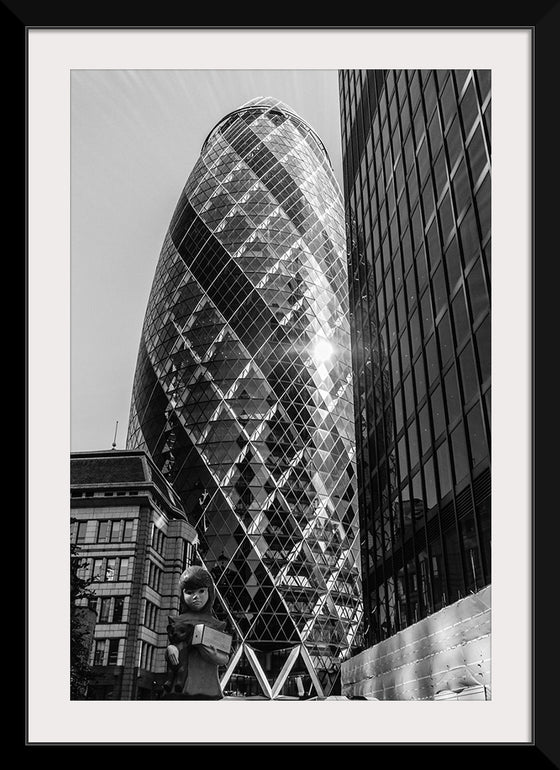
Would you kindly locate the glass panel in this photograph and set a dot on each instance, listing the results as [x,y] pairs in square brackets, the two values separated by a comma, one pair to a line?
[483,207]
[403,465]
[105,610]
[439,289]
[444,468]
[99,654]
[452,397]
[103,532]
[118,611]
[477,294]
[433,244]
[484,78]
[445,339]
[484,519]
[477,154]
[454,143]
[460,317]
[116,532]
[438,413]
[413,445]
[399,419]
[411,289]
[415,335]
[432,360]
[110,573]
[408,396]
[437,573]
[420,379]
[427,315]
[128,530]
[430,481]
[470,239]
[469,375]
[448,103]
[477,437]
[473,566]
[123,569]
[460,455]
[446,218]
[421,268]
[425,437]
[469,109]
[454,567]
[453,264]
[82,529]
[483,348]
[405,352]
[113,652]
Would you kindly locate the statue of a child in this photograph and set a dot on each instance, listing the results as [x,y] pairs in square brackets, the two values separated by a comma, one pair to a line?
[193,669]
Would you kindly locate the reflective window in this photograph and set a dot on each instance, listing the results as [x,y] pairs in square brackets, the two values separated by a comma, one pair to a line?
[413,445]
[473,566]
[453,264]
[460,317]
[454,570]
[469,376]
[483,340]
[452,397]
[477,154]
[430,481]
[436,264]
[444,469]
[420,379]
[439,289]
[445,339]
[415,335]
[424,425]
[432,360]
[460,454]
[438,413]
[421,268]
[469,110]
[477,437]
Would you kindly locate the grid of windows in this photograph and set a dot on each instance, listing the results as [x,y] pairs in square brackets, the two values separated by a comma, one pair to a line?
[103,531]
[147,656]
[154,575]
[110,570]
[112,609]
[157,538]
[151,614]
[108,652]
[416,160]
[243,382]
[115,531]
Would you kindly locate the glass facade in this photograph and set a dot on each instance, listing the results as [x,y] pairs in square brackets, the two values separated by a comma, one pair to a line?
[243,387]
[417,163]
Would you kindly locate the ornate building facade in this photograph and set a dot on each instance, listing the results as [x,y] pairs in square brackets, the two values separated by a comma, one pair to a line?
[243,396]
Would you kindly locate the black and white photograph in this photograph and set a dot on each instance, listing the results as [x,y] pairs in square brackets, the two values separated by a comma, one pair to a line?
[281,356]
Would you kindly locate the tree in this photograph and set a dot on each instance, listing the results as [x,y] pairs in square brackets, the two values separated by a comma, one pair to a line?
[81,626]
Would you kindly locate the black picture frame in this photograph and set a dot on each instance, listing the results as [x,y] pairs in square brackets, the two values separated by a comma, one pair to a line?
[544,750]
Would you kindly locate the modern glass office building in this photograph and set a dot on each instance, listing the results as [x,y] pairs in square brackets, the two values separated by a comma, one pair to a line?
[243,395]
[417,169]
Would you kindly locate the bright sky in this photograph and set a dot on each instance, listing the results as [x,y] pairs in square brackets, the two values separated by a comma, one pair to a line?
[136,135]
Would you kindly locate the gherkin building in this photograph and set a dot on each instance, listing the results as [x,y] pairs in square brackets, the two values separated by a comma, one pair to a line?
[243,397]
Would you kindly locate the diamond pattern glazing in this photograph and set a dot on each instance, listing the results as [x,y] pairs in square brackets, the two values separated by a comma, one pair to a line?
[243,387]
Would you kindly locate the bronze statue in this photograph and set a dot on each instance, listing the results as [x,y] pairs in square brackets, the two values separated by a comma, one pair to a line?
[192,661]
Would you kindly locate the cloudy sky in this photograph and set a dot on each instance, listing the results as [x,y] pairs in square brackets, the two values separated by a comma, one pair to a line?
[135,136]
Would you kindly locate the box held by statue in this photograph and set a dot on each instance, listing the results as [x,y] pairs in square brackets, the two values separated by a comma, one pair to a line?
[210,637]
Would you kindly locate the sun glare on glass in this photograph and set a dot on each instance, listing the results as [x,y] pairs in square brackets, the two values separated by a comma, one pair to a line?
[322,350]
